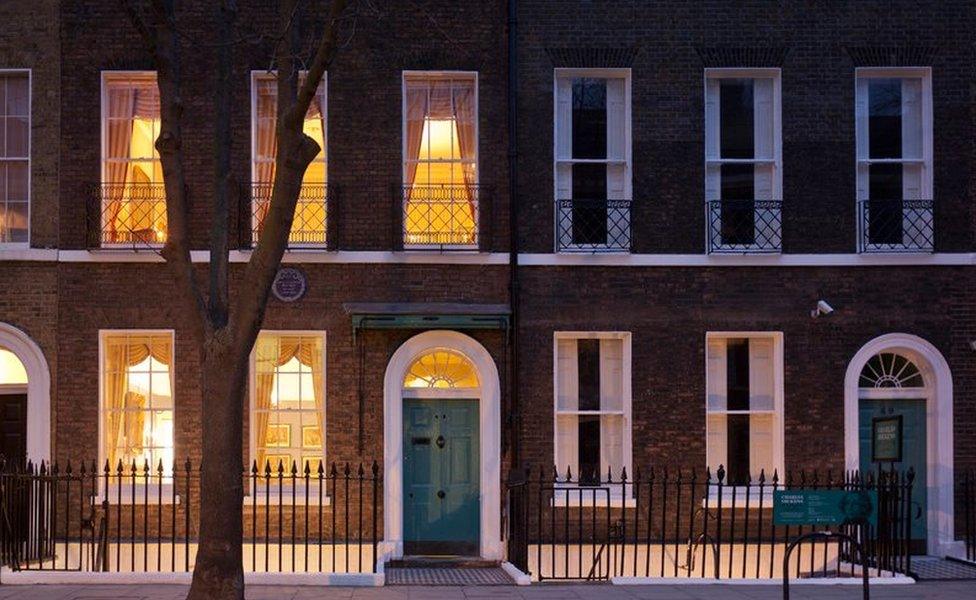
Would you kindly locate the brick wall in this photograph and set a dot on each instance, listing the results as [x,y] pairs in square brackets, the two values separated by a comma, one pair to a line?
[817,45]
[669,311]
[364,103]
[30,41]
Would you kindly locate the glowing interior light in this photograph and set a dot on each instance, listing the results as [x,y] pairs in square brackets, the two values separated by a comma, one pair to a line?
[11,369]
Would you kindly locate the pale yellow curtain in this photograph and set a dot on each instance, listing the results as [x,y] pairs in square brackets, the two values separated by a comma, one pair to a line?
[271,352]
[121,111]
[121,353]
[465,118]
[311,355]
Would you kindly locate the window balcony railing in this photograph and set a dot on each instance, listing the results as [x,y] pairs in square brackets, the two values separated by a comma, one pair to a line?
[745,226]
[896,226]
[438,217]
[127,216]
[593,225]
[310,227]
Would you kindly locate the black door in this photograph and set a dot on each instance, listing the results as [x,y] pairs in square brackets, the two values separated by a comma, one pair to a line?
[13,427]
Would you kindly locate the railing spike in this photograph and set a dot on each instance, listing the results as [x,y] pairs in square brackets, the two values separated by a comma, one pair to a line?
[333,472]
[775,476]
[720,474]
[362,471]
[762,476]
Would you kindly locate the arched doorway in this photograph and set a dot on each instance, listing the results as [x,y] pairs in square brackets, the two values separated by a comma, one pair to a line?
[901,383]
[442,432]
[25,384]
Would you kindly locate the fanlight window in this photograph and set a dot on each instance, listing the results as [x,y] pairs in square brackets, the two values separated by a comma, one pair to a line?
[890,370]
[441,369]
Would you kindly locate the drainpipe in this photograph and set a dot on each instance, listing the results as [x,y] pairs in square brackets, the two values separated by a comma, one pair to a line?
[515,424]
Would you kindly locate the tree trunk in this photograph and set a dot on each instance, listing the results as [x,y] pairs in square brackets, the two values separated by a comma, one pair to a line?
[218,573]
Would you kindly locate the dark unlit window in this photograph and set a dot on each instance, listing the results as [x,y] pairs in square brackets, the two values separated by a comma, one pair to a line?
[741,411]
[591,415]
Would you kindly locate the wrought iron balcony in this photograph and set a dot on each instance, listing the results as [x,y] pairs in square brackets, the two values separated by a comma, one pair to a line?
[593,225]
[745,226]
[896,226]
[126,216]
[309,229]
[438,217]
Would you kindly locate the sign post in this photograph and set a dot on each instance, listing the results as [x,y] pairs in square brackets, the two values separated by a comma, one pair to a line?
[825,508]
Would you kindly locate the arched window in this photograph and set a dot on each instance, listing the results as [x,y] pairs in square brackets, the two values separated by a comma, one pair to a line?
[890,370]
[441,369]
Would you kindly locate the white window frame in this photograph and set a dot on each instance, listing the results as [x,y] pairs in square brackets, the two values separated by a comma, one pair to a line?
[127,494]
[626,392]
[627,160]
[712,155]
[272,75]
[30,150]
[264,496]
[778,400]
[430,75]
[862,193]
[107,75]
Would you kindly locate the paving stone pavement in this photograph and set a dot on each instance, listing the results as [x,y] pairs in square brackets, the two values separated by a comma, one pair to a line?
[954,590]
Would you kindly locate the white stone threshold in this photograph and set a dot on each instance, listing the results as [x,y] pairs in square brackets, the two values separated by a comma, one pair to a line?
[517,576]
[8,577]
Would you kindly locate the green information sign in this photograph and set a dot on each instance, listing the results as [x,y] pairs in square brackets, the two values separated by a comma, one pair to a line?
[886,437]
[825,507]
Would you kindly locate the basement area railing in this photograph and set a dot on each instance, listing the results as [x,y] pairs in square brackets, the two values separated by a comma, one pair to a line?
[693,524]
[139,518]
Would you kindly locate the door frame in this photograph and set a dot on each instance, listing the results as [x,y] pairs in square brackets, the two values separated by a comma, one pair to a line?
[38,390]
[940,521]
[489,431]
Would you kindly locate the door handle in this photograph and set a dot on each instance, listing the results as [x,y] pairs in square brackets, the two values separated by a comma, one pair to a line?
[441,494]
[440,441]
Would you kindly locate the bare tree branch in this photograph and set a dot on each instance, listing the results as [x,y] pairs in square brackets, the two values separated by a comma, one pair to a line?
[295,151]
[146,32]
[169,145]
[223,183]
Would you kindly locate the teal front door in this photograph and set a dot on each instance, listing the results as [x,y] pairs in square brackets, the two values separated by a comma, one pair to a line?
[913,453]
[441,456]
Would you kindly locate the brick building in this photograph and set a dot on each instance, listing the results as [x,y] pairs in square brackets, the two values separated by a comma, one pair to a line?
[744,236]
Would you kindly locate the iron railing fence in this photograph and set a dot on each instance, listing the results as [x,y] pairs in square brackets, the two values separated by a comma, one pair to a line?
[896,225]
[441,217]
[129,216]
[692,524]
[139,518]
[593,225]
[314,222]
[745,226]
[968,506]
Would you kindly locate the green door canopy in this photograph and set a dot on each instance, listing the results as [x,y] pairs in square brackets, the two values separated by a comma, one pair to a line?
[427,315]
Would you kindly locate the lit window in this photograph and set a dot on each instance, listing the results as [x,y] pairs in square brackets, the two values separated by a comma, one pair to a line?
[12,371]
[894,158]
[14,156]
[309,225]
[744,405]
[288,402]
[592,405]
[592,159]
[441,369]
[137,399]
[440,160]
[743,158]
[133,198]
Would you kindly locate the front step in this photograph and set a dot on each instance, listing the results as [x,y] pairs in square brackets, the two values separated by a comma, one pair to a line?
[445,570]
[442,562]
